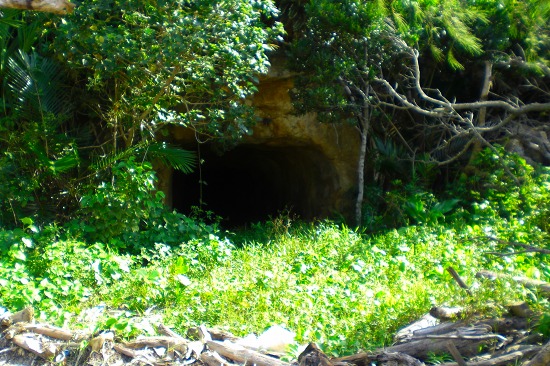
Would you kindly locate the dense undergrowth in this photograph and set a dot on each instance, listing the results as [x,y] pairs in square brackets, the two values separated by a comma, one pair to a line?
[345,289]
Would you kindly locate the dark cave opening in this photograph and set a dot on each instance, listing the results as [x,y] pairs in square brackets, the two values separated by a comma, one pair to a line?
[252,182]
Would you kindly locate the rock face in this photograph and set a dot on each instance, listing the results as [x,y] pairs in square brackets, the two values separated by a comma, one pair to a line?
[289,163]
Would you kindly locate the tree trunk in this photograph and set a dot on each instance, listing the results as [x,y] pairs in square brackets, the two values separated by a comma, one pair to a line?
[478,145]
[50,6]
[361,166]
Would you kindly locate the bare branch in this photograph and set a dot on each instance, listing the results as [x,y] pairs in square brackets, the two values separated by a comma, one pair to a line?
[455,118]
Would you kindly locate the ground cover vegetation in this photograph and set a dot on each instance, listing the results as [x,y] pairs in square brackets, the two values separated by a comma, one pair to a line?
[86,100]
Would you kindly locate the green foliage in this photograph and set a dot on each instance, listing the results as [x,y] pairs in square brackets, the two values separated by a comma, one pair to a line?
[516,29]
[176,62]
[39,157]
[351,284]
[151,64]
[39,268]
[126,210]
[493,191]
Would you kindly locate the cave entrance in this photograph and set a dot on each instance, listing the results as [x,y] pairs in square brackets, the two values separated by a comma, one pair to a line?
[252,182]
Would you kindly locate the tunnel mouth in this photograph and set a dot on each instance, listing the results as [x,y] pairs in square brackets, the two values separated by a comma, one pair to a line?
[253,182]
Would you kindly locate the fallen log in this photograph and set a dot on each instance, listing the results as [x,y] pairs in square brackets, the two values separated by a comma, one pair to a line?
[313,356]
[444,313]
[467,341]
[23,316]
[502,360]
[211,358]
[216,334]
[542,358]
[125,351]
[406,334]
[520,309]
[242,355]
[505,325]
[541,286]
[39,346]
[396,358]
[177,344]
[163,329]
[97,343]
[52,332]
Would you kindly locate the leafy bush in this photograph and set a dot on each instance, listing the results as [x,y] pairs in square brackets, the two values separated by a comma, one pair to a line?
[504,185]
[129,213]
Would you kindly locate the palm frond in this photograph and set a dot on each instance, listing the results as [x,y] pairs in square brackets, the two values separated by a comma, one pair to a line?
[27,35]
[10,18]
[65,163]
[173,156]
[35,84]
[105,162]
[176,157]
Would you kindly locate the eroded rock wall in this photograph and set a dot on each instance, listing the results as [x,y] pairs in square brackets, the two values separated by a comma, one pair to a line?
[293,162]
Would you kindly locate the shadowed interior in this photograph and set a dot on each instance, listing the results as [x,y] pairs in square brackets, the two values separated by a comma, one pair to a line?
[252,182]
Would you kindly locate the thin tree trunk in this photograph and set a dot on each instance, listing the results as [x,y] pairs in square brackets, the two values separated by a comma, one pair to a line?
[478,144]
[365,125]
[50,6]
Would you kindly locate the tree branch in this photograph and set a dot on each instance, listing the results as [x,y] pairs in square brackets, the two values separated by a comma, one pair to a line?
[51,6]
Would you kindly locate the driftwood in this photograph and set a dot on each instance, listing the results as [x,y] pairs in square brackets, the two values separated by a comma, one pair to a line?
[313,356]
[541,286]
[39,346]
[125,351]
[163,329]
[527,248]
[520,309]
[52,332]
[44,329]
[50,6]
[23,316]
[216,334]
[214,359]
[396,358]
[465,339]
[96,343]
[502,360]
[444,313]
[177,344]
[414,344]
[406,334]
[242,355]
[458,279]
[455,353]
[542,358]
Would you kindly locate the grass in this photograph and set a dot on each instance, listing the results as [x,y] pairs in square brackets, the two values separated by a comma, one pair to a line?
[324,281]
[343,289]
